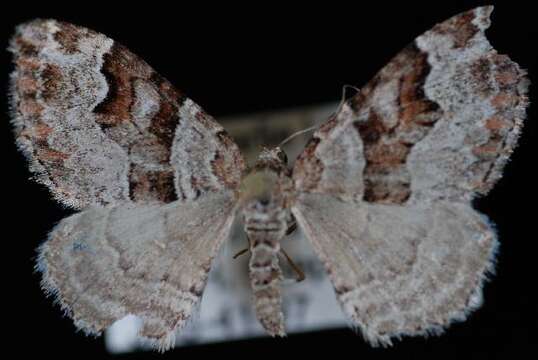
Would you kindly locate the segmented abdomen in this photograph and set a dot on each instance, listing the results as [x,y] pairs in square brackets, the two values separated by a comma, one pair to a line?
[265,225]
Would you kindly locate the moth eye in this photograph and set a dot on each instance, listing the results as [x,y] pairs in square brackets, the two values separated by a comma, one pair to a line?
[282,156]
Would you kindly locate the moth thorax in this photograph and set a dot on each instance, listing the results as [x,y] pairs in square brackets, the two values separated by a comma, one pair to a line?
[259,186]
[262,184]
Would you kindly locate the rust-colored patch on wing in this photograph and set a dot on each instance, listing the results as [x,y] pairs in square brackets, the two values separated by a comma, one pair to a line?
[26,48]
[49,155]
[32,83]
[386,144]
[507,74]
[503,125]
[481,72]
[147,185]
[68,37]
[122,70]
[226,165]
[308,167]
[164,123]
[38,133]
[504,100]
[26,83]
[460,28]
[415,108]
[118,71]
[52,82]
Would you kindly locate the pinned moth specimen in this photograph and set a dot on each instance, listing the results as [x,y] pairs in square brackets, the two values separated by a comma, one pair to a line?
[382,190]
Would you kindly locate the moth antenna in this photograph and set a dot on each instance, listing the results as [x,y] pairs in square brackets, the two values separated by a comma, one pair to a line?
[297,133]
[343,99]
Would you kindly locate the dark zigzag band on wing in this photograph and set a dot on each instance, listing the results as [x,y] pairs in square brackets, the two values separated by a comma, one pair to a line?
[99,125]
[438,121]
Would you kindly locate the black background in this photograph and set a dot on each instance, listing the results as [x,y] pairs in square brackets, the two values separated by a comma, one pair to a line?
[267,56]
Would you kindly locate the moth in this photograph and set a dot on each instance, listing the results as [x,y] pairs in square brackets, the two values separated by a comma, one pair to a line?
[382,190]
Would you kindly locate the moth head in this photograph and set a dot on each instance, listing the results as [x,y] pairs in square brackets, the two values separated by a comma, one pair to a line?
[274,158]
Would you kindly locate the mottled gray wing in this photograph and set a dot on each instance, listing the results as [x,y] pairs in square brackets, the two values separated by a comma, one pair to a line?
[151,261]
[100,126]
[400,270]
[385,186]
[438,121]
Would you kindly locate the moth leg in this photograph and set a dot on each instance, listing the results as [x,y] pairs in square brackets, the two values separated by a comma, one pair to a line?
[241,252]
[300,274]
[291,227]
